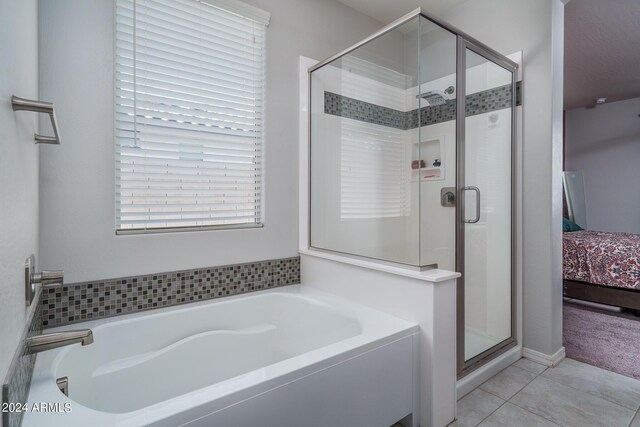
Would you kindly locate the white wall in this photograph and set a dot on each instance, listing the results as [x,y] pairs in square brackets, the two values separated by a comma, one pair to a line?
[431,305]
[536,28]
[77,198]
[604,143]
[402,292]
[18,166]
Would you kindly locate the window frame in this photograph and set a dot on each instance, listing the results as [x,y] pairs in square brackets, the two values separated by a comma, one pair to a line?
[248,12]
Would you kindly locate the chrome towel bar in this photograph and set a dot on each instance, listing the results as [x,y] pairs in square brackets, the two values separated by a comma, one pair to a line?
[39,107]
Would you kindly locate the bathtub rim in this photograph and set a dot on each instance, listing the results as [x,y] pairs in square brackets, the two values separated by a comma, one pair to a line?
[215,397]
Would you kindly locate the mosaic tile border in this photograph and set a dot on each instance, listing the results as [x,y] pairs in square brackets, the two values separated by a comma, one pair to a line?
[432,115]
[15,388]
[351,108]
[489,100]
[79,302]
[476,103]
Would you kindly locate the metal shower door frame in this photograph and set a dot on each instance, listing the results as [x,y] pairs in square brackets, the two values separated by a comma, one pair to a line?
[464,41]
[464,367]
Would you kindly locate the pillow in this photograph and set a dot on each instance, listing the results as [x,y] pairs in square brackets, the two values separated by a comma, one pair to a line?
[568,225]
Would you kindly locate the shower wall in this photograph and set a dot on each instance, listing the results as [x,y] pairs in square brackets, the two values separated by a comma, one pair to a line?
[438,72]
[380,153]
[362,199]
[437,223]
[369,200]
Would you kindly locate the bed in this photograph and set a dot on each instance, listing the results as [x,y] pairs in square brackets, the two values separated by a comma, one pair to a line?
[602,267]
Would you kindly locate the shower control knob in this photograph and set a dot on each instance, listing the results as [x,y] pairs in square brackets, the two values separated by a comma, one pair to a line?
[448,197]
[44,278]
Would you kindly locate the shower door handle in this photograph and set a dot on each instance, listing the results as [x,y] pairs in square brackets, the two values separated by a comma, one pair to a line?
[477,190]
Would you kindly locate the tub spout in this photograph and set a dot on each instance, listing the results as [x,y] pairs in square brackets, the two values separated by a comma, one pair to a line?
[45,342]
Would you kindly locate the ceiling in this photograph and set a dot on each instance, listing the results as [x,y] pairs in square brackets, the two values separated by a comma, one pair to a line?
[601,51]
[387,11]
[602,44]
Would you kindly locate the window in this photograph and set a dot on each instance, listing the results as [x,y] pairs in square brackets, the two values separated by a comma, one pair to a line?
[374,182]
[189,107]
[374,177]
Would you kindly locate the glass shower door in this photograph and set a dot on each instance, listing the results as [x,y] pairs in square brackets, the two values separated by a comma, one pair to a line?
[485,213]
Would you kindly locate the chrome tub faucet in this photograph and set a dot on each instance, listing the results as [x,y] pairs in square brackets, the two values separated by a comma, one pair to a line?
[45,342]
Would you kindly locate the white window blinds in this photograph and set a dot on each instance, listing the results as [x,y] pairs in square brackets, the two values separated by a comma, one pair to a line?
[374,173]
[189,101]
[374,177]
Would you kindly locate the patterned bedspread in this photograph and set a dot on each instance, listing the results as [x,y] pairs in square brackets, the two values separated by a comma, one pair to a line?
[611,259]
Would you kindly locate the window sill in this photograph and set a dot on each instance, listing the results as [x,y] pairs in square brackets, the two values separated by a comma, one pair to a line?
[129,232]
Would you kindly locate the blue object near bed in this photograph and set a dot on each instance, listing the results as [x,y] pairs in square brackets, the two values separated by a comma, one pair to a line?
[568,225]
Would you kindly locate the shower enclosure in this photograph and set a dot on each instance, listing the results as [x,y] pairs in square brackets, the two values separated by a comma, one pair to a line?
[412,163]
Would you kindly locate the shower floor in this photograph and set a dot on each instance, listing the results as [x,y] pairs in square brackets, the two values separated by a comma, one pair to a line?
[476,342]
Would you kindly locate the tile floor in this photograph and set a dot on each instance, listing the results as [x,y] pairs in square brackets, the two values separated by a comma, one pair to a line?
[527,394]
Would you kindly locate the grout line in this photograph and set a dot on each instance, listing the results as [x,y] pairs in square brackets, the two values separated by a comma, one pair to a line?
[509,400]
[522,388]
[549,419]
[494,411]
[534,413]
[514,394]
[525,409]
[541,415]
[591,394]
[518,391]
[583,391]
[492,394]
[524,369]
[538,415]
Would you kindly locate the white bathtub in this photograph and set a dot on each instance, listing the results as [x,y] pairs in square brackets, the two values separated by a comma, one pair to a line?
[271,358]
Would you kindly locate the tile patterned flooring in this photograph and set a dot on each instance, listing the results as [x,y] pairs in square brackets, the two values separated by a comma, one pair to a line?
[527,394]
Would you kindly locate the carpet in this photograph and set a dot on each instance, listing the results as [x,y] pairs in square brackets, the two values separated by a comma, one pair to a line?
[607,340]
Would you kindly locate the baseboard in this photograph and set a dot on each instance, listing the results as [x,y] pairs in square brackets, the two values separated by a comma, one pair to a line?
[544,359]
[606,307]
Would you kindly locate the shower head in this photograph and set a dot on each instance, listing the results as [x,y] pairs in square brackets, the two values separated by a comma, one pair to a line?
[434,98]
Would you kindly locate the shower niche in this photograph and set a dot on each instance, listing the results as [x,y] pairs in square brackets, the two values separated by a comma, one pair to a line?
[413,112]
[428,162]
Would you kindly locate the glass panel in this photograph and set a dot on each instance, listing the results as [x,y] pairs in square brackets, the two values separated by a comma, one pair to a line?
[437,146]
[575,198]
[487,170]
[362,199]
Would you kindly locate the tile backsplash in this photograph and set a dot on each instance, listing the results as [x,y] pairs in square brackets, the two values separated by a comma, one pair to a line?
[15,388]
[78,302]
[71,303]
